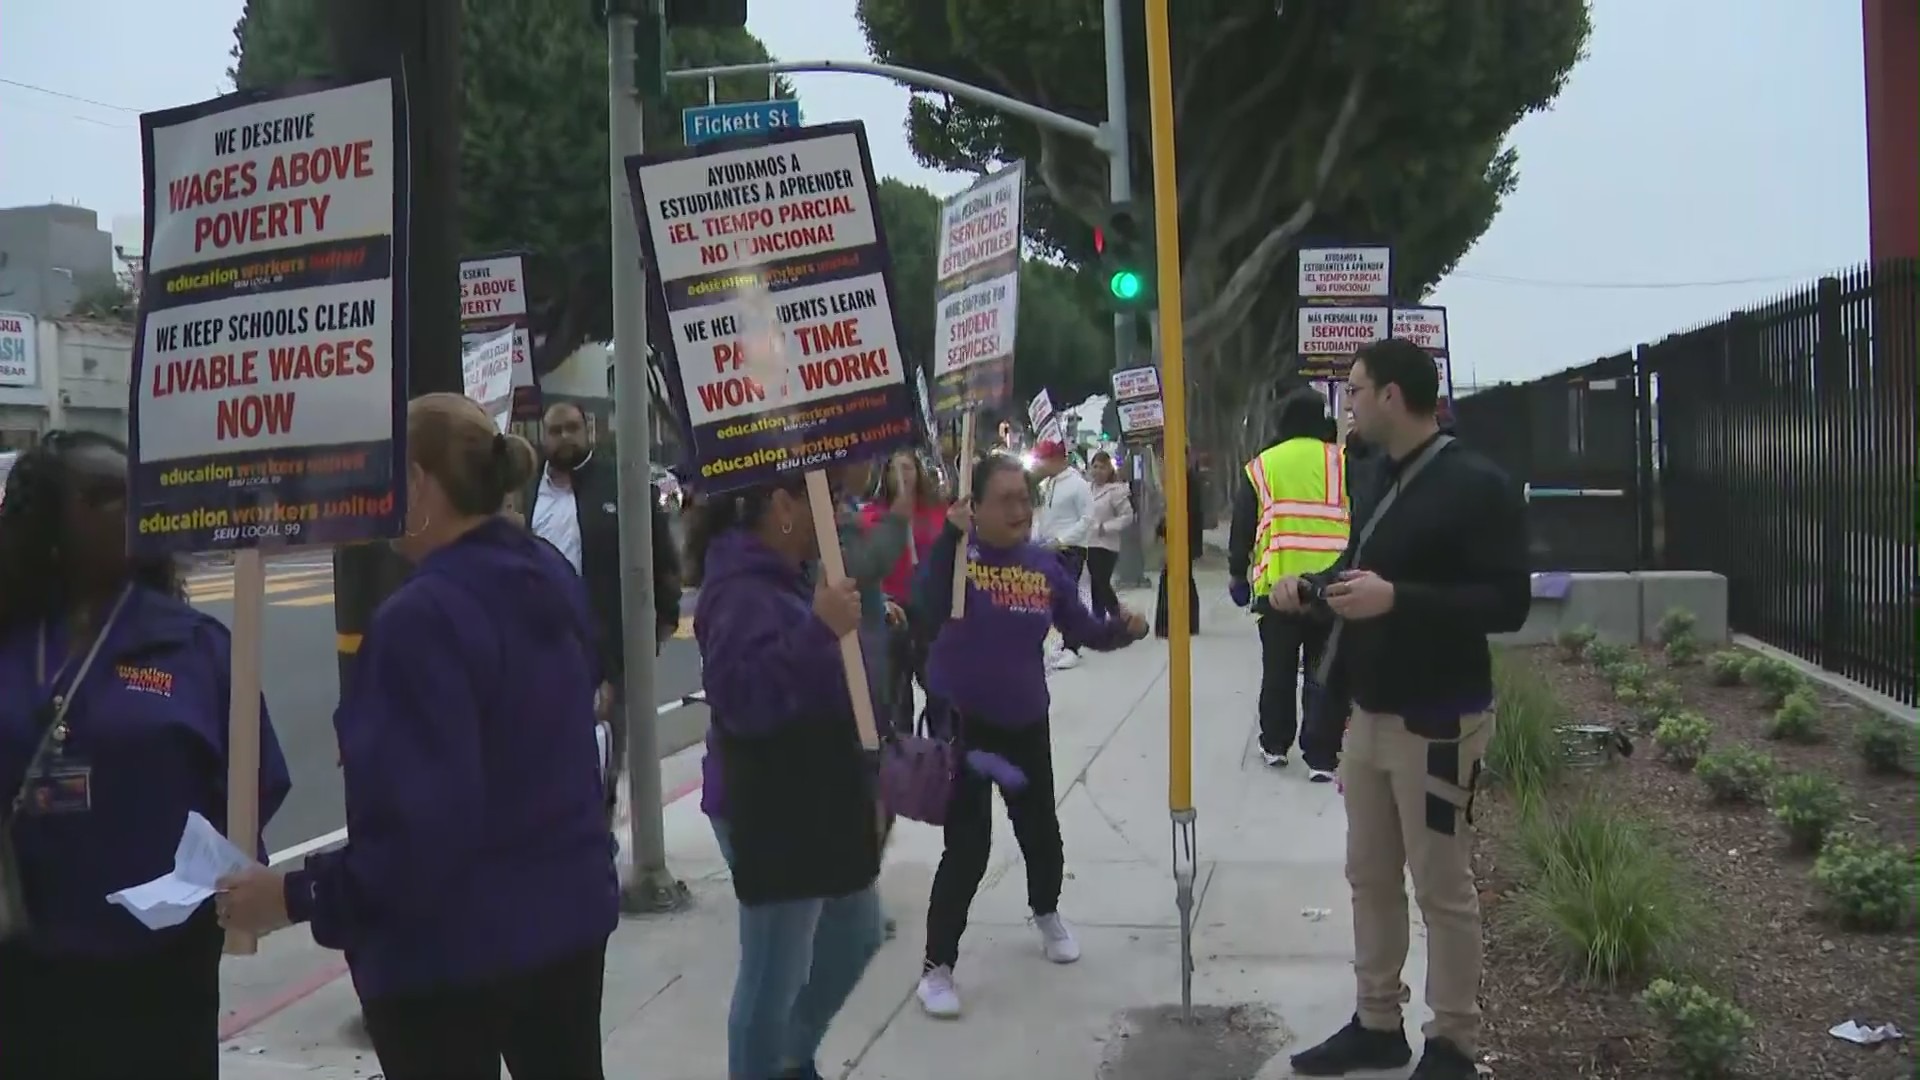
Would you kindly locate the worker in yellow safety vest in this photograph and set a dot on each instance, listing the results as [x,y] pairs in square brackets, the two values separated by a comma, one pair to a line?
[1290,519]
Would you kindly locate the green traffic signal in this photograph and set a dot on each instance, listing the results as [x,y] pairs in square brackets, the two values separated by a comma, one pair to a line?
[1126,285]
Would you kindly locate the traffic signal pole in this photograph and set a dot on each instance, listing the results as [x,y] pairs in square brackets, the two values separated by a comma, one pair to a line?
[653,888]
[1131,570]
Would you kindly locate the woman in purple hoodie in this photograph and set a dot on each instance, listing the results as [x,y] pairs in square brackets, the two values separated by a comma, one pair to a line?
[476,892]
[787,785]
[990,668]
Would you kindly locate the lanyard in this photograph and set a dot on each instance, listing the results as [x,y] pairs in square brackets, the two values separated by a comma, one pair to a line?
[58,729]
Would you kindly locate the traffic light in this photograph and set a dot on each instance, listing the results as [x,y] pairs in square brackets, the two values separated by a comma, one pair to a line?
[652,20]
[1126,259]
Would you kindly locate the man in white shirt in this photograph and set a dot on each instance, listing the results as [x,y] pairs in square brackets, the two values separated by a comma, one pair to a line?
[1065,517]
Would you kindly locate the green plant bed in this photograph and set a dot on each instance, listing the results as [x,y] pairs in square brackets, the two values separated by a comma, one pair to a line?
[1808,806]
[1735,774]
[1704,1032]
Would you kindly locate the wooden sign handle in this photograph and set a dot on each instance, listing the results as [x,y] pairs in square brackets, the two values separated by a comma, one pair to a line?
[243,718]
[966,492]
[834,564]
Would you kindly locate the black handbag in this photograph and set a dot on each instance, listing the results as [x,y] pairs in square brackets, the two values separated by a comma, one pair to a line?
[14,919]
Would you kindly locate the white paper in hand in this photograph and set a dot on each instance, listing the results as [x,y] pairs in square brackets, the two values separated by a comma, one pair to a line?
[202,858]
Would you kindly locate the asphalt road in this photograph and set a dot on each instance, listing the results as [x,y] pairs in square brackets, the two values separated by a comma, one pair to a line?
[301,677]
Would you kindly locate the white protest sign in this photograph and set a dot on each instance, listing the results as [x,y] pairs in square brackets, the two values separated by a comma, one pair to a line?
[1344,273]
[1133,383]
[1340,331]
[977,289]
[1140,418]
[1424,326]
[1039,410]
[487,368]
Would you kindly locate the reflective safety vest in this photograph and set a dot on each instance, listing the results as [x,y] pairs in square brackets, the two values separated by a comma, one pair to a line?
[1301,486]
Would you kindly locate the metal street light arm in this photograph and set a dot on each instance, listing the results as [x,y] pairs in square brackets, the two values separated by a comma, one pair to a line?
[1093,133]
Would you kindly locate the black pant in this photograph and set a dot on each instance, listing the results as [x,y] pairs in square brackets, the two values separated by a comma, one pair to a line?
[1036,825]
[1100,566]
[1288,643]
[906,662]
[124,1018]
[544,1023]
[1075,560]
[1160,604]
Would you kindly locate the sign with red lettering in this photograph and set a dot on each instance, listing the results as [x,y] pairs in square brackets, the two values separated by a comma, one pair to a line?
[783,350]
[1424,326]
[486,369]
[268,388]
[493,297]
[1131,384]
[1344,273]
[977,292]
[1340,331]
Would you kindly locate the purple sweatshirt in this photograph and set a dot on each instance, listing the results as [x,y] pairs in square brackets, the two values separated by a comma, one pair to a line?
[478,843]
[991,665]
[767,661]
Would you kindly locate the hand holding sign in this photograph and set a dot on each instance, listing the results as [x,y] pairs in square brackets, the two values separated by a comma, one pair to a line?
[837,603]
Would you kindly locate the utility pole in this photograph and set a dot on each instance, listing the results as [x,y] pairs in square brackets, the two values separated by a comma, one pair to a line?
[653,888]
[1131,571]
[420,41]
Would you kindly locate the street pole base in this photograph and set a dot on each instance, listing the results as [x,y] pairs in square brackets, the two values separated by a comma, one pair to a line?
[655,894]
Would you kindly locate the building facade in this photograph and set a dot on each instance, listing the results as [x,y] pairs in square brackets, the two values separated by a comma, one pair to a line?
[50,257]
[62,373]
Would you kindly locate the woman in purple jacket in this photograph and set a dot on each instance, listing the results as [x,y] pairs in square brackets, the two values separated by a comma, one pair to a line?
[990,669]
[787,785]
[476,891]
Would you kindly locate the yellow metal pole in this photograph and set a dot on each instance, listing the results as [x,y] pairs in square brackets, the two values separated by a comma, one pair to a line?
[1173,382]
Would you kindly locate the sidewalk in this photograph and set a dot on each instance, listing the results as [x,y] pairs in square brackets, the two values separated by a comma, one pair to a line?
[1272,923]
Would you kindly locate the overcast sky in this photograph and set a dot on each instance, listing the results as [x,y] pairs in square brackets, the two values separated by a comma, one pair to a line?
[1707,154]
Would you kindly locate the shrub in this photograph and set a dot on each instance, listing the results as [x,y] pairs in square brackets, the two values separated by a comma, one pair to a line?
[1704,1032]
[1661,699]
[1870,885]
[1735,774]
[1526,754]
[1677,623]
[1683,737]
[1727,666]
[1808,806]
[1606,655]
[1608,899]
[1797,719]
[1683,651]
[1886,744]
[1629,677]
[1775,678]
[1574,641]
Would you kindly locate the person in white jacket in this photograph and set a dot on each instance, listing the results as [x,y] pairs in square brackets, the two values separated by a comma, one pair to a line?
[1112,517]
[1064,520]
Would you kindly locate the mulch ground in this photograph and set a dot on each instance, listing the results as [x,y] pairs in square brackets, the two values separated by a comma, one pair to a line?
[1772,947]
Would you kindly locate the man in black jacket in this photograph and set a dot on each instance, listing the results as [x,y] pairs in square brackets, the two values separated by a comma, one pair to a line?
[575,506]
[1445,567]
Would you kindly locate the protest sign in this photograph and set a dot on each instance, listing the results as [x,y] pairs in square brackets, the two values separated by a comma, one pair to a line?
[782,348]
[268,392]
[1424,326]
[1130,384]
[1330,335]
[486,367]
[19,350]
[493,297]
[1350,273]
[977,291]
[1039,410]
[268,398]
[1142,420]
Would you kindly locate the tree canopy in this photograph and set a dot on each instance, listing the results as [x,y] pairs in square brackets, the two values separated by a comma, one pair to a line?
[1063,346]
[533,136]
[1341,121]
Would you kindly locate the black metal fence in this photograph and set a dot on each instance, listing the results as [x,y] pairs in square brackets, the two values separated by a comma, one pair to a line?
[1775,447]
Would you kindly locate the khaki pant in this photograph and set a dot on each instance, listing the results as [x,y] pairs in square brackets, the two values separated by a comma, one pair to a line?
[1408,800]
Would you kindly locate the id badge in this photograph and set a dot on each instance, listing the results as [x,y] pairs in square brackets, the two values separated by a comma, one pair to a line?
[63,787]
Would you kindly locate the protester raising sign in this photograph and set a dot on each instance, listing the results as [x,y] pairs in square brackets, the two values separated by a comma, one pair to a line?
[486,366]
[268,393]
[782,347]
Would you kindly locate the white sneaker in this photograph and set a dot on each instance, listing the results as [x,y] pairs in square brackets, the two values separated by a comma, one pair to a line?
[1320,776]
[1274,761]
[1058,938]
[1063,660]
[938,996]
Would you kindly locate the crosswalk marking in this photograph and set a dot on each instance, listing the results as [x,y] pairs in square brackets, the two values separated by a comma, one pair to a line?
[295,585]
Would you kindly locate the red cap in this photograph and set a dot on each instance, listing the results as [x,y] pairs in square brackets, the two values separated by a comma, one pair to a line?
[1048,449]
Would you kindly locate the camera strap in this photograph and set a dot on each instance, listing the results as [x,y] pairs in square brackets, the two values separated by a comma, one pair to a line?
[1407,476]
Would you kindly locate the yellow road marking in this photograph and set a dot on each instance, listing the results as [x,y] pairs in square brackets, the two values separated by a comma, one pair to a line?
[305,601]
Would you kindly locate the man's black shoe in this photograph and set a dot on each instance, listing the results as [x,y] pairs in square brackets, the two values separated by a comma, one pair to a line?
[1443,1061]
[1354,1048]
